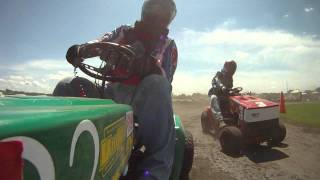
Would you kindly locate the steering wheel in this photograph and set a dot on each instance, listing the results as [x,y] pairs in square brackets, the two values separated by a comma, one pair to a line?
[235,91]
[113,55]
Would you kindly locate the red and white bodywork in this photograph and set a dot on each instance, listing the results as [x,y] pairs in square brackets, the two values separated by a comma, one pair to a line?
[248,120]
[253,109]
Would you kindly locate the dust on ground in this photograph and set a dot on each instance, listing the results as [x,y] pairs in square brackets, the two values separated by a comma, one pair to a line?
[298,157]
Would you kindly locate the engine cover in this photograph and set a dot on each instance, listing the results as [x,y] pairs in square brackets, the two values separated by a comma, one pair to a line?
[254,109]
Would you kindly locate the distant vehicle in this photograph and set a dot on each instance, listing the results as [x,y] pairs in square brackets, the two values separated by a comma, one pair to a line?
[250,120]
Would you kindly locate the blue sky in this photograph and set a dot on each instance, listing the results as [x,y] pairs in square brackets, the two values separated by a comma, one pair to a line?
[274,42]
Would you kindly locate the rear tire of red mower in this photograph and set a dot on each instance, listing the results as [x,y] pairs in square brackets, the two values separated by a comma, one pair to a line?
[231,140]
[278,134]
[205,122]
[188,156]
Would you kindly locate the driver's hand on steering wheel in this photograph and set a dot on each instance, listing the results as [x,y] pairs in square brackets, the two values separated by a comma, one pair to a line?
[73,56]
[225,90]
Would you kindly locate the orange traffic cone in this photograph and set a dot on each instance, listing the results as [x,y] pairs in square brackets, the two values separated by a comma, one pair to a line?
[282,103]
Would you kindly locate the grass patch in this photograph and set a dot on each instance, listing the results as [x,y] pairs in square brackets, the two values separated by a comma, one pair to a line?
[305,113]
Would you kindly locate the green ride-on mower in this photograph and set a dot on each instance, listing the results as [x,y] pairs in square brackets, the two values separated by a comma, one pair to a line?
[248,120]
[63,138]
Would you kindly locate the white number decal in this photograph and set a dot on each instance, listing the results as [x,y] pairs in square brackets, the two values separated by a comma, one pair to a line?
[86,125]
[38,155]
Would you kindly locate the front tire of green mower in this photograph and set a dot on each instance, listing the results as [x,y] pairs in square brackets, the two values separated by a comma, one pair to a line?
[278,134]
[231,140]
[188,156]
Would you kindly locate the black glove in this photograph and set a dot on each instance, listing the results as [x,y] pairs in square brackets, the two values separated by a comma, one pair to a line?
[73,56]
[224,90]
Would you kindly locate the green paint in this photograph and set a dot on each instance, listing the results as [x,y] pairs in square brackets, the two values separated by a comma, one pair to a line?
[52,122]
[179,149]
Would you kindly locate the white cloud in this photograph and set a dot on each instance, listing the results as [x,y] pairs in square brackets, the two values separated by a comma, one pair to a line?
[273,80]
[229,23]
[285,16]
[266,59]
[188,83]
[264,81]
[41,64]
[308,9]
[39,75]
[59,75]
[240,55]
[252,37]
[35,75]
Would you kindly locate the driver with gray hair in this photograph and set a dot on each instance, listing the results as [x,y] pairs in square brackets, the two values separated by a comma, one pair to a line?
[148,90]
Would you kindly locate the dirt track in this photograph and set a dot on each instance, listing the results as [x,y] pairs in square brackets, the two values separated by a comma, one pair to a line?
[297,158]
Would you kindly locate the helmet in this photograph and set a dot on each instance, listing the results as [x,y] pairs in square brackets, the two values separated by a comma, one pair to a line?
[230,67]
[76,87]
[164,10]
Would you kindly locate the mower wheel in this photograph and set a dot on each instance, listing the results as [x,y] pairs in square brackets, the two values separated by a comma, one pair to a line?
[278,134]
[231,140]
[205,122]
[188,157]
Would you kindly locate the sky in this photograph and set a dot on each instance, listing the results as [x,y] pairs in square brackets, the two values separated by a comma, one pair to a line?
[276,43]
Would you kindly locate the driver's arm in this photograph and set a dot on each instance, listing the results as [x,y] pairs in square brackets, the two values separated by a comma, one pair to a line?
[76,53]
[113,36]
[217,85]
[170,61]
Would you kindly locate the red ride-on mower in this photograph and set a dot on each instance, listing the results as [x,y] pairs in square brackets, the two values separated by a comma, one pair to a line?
[249,121]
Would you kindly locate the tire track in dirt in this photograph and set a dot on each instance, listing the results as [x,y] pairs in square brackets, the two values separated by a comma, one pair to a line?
[297,158]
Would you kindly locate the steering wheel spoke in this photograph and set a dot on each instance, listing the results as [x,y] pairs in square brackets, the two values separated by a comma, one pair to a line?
[87,66]
[111,55]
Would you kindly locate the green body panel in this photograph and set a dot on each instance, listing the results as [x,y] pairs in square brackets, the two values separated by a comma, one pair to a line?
[51,122]
[96,134]
[179,149]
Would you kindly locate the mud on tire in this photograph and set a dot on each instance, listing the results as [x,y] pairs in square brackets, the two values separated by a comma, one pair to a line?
[231,140]
[188,156]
